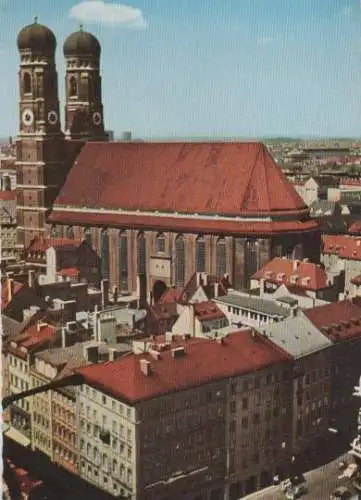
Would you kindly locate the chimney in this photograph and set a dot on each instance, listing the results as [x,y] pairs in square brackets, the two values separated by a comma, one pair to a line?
[295,264]
[261,287]
[205,279]
[216,290]
[31,278]
[10,289]
[105,292]
[145,367]
[198,278]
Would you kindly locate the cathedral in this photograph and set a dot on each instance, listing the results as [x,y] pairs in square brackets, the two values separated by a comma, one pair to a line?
[156,213]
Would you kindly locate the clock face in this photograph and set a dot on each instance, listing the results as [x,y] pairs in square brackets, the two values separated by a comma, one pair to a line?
[52,117]
[28,117]
[97,118]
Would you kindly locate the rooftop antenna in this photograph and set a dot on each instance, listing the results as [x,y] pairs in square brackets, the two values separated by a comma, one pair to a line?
[36,19]
[81,27]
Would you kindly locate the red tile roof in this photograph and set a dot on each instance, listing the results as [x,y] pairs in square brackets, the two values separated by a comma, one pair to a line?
[298,273]
[338,320]
[182,224]
[7,195]
[5,283]
[345,246]
[349,181]
[204,361]
[207,311]
[171,295]
[355,227]
[42,244]
[69,272]
[36,335]
[165,310]
[356,280]
[224,178]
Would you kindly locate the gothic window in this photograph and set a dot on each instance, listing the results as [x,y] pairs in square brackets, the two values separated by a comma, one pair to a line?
[123,262]
[160,243]
[141,256]
[53,232]
[179,261]
[221,263]
[70,233]
[200,255]
[73,87]
[27,83]
[251,261]
[104,254]
[88,236]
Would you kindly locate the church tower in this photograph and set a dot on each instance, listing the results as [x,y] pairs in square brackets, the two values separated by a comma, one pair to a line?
[83,92]
[39,151]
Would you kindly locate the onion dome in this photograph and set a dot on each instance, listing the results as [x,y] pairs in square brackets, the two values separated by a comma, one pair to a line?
[81,43]
[36,38]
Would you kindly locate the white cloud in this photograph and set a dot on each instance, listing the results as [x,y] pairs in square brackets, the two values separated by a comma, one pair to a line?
[98,11]
[265,40]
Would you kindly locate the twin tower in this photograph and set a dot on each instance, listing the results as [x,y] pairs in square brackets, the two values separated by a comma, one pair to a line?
[39,100]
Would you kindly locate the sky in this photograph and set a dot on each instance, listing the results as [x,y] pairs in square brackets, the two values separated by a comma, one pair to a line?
[207,68]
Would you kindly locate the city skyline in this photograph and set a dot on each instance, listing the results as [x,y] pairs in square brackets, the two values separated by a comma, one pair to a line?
[208,70]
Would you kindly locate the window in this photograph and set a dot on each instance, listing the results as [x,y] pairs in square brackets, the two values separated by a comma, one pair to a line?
[70,233]
[27,83]
[179,261]
[104,254]
[244,422]
[245,403]
[200,255]
[73,87]
[233,407]
[88,236]
[53,232]
[123,262]
[251,260]
[160,243]
[221,262]
[141,255]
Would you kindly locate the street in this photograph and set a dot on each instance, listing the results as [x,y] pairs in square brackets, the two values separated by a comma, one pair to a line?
[320,482]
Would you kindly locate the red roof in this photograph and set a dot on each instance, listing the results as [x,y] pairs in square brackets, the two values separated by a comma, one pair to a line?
[36,335]
[69,272]
[206,178]
[350,181]
[182,224]
[356,280]
[355,227]
[204,361]
[26,483]
[171,295]
[5,283]
[7,195]
[207,311]
[42,244]
[293,272]
[338,320]
[346,247]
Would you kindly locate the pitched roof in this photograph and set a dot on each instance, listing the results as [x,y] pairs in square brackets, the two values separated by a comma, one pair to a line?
[356,280]
[36,335]
[205,178]
[207,311]
[355,227]
[345,246]
[338,320]
[251,303]
[304,274]
[297,335]
[171,295]
[204,361]
[42,244]
[69,272]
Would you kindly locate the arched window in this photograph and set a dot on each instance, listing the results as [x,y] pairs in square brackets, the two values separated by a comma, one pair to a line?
[251,261]
[104,254]
[73,87]
[160,243]
[179,261]
[221,262]
[53,232]
[27,83]
[141,255]
[88,236]
[123,262]
[200,255]
[70,233]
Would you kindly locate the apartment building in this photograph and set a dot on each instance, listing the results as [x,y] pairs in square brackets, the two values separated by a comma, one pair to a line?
[311,379]
[162,423]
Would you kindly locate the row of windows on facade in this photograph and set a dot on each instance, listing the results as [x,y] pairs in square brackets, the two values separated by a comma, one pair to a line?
[116,427]
[116,444]
[93,454]
[64,454]
[95,396]
[89,471]
[28,86]
[251,254]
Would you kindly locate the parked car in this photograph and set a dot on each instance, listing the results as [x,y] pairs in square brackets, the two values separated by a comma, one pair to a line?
[341,493]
